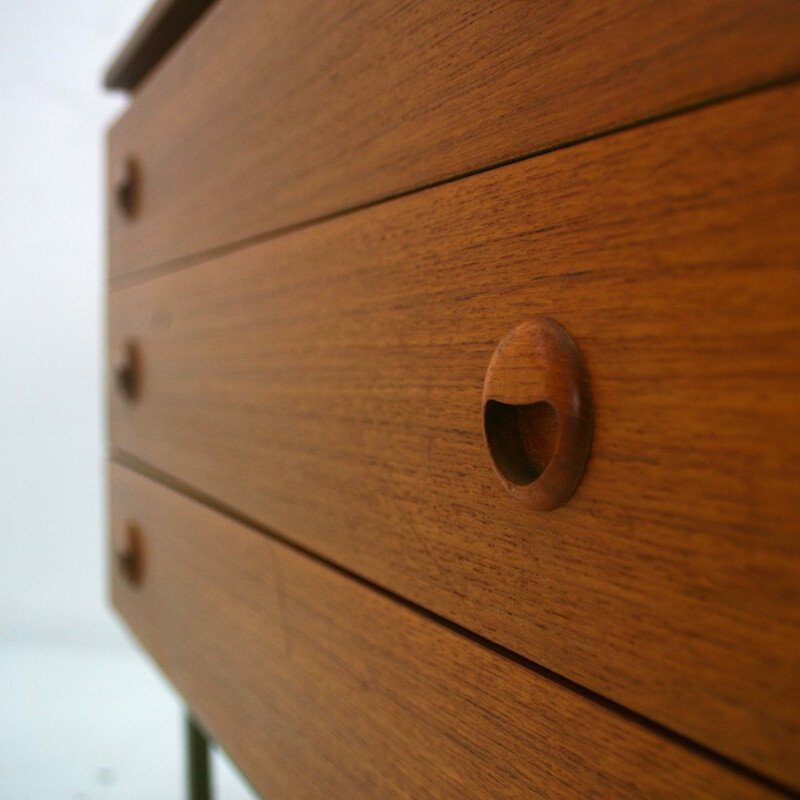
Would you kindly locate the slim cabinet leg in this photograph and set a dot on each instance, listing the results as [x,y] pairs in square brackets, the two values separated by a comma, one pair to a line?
[198,766]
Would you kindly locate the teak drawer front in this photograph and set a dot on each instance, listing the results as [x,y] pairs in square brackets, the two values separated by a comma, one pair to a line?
[267,115]
[320,687]
[327,384]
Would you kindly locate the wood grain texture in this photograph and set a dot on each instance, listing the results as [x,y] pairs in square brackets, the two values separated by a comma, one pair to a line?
[271,114]
[328,384]
[319,687]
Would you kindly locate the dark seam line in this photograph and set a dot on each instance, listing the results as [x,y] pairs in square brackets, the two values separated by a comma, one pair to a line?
[138,465]
[183,262]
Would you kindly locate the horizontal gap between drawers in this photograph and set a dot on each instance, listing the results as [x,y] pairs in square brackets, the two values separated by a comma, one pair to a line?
[147,470]
[157,270]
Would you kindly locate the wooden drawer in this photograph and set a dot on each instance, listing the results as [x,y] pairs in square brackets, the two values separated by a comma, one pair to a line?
[321,687]
[327,385]
[268,115]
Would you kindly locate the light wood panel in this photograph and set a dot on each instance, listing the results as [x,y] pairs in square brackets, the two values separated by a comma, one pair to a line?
[328,384]
[269,114]
[320,687]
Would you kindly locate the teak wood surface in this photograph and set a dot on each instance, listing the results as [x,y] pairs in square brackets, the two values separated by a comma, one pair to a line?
[320,687]
[327,384]
[269,114]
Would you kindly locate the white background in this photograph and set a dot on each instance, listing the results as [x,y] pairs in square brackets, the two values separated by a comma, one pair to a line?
[83,714]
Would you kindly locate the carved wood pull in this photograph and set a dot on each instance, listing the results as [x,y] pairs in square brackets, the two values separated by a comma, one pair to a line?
[128,372]
[127,189]
[129,555]
[537,413]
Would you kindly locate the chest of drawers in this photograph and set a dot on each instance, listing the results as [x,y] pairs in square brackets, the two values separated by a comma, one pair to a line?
[454,356]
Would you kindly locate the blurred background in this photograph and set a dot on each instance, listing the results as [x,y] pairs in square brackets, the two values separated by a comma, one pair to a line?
[83,712]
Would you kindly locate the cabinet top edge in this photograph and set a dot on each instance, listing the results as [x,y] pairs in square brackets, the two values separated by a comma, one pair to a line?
[162,27]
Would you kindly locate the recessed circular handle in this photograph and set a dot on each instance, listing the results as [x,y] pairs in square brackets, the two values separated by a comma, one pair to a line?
[128,372]
[537,413]
[130,556]
[127,189]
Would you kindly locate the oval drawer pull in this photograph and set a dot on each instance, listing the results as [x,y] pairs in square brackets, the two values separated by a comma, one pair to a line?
[127,189]
[128,372]
[129,555]
[537,413]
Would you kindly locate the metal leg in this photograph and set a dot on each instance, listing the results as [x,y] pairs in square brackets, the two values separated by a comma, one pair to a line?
[198,766]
